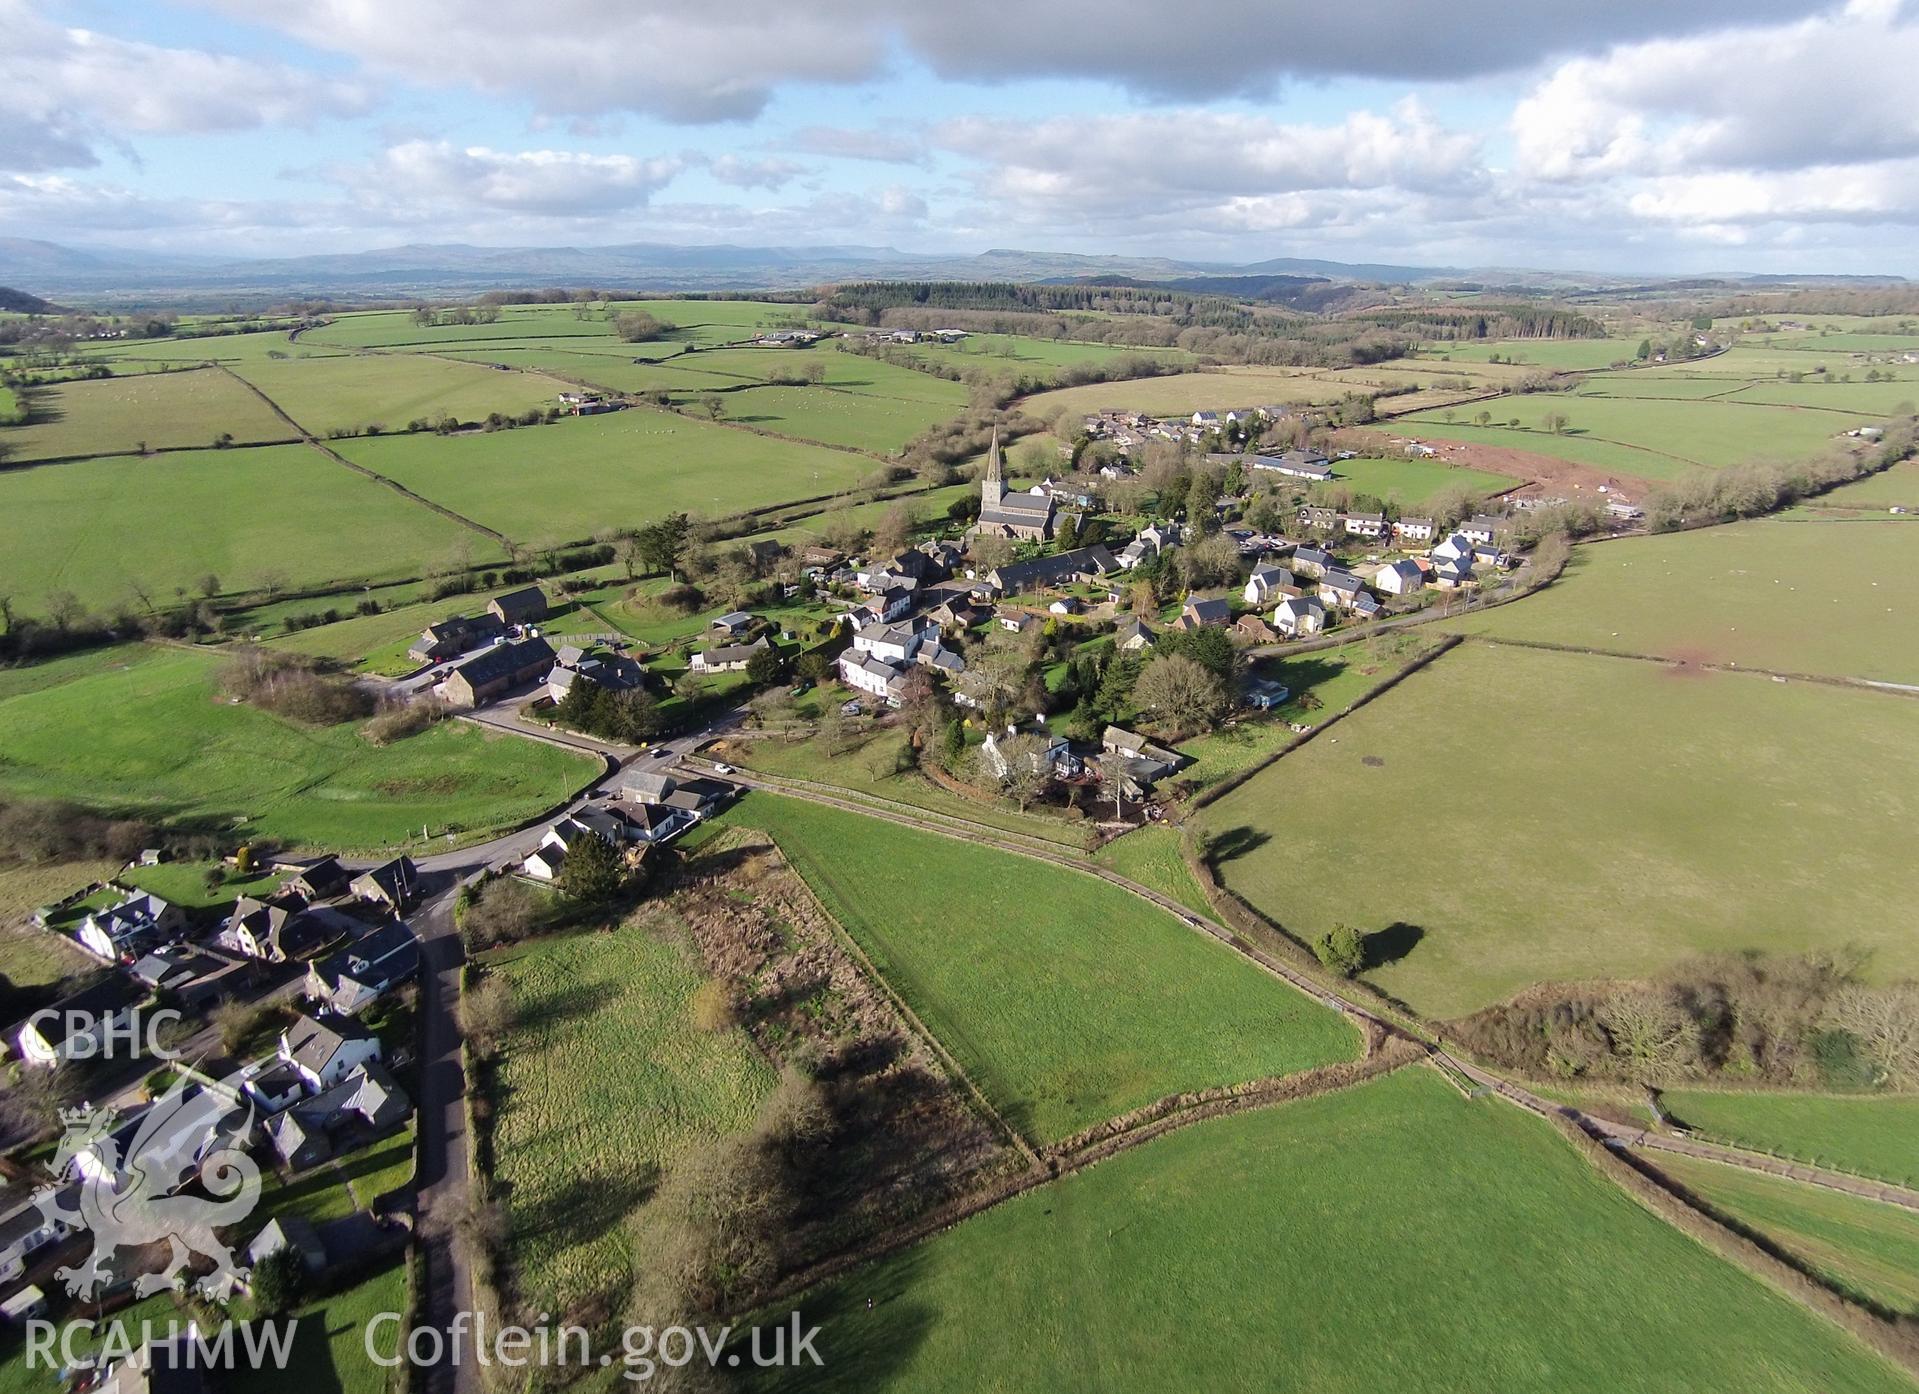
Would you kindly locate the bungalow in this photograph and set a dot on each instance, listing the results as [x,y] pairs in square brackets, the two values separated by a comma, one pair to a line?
[355,975]
[1132,636]
[1399,578]
[326,1048]
[1202,614]
[544,863]
[1264,581]
[25,1232]
[729,658]
[1082,563]
[496,670]
[1299,616]
[1065,605]
[1252,629]
[1316,517]
[390,884]
[1414,529]
[522,606]
[1311,561]
[1016,621]
[125,932]
[363,1105]
[1296,464]
[1364,524]
[699,797]
[1341,588]
[1482,528]
[77,1025]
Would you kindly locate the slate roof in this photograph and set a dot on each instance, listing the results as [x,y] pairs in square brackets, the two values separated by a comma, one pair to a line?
[312,1041]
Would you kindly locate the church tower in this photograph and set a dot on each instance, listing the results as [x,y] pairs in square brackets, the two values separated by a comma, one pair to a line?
[992,489]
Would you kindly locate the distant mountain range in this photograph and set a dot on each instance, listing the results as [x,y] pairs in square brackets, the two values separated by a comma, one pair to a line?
[101,275]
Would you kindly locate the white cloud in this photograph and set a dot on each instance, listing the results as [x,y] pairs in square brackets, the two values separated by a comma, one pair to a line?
[422,179]
[743,173]
[63,90]
[844,143]
[724,62]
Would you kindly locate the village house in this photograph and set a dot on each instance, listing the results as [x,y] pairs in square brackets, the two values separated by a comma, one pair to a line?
[325,1048]
[1133,762]
[1054,758]
[318,879]
[26,1231]
[389,884]
[1020,577]
[497,670]
[864,673]
[1364,524]
[455,636]
[360,1108]
[1399,578]
[1203,614]
[1456,547]
[889,643]
[1264,582]
[1317,518]
[1482,528]
[76,1025]
[1311,561]
[350,978]
[127,930]
[284,928]
[1340,589]
[614,672]
[1300,615]
[523,606]
[191,975]
[729,658]
[1132,635]
[1450,573]
[1414,529]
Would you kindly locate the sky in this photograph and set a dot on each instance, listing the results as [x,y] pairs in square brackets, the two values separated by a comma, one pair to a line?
[1632,136]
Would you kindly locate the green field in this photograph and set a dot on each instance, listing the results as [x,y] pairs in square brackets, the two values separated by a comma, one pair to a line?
[97,527]
[154,739]
[1539,816]
[112,416]
[136,355]
[390,390]
[1180,393]
[1558,354]
[1151,856]
[1131,1005]
[579,477]
[1811,596]
[616,373]
[1648,438]
[1409,482]
[1876,492]
[1393,1236]
[999,354]
[697,321]
[1864,1247]
[1875,1136]
[604,1081]
[861,420]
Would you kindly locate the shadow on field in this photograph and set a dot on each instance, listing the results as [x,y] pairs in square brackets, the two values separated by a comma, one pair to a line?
[1391,944]
[557,1007]
[1237,842]
[584,1209]
[1307,672]
[858,1348]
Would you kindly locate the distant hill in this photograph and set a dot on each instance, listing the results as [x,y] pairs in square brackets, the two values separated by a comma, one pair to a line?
[20,303]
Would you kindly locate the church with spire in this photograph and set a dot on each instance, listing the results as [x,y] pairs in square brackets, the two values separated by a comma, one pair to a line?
[1026,517]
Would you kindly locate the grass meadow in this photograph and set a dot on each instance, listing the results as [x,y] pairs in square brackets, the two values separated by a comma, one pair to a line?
[1527,816]
[112,416]
[98,527]
[1392,1236]
[574,479]
[1129,1006]
[1866,1248]
[1177,393]
[1560,355]
[1151,856]
[605,1081]
[1649,438]
[1793,595]
[1410,482]
[1872,1135]
[153,738]
[389,390]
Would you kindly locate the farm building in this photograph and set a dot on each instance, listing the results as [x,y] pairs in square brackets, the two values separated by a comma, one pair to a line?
[496,670]
[522,606]
[1296,464]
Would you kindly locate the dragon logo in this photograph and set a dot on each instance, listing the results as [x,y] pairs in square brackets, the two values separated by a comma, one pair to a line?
[149,1179]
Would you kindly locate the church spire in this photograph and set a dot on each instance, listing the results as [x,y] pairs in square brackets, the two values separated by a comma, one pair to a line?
[992,488]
